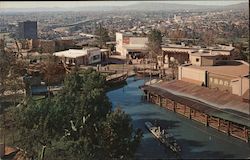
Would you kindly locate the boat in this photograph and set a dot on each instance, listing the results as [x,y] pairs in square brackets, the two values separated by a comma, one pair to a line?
[164,137]
[116,79]
[146,73]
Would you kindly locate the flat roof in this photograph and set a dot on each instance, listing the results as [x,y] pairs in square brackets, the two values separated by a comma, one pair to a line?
[71,53]
[74,53]
[241,69]
[228,106]
[217,48]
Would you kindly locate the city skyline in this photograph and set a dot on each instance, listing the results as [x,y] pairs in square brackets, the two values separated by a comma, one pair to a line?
[74,4]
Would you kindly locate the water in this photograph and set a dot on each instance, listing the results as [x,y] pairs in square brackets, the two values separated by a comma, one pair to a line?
[195,139]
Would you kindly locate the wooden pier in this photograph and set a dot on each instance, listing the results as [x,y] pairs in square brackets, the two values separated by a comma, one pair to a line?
[193,110]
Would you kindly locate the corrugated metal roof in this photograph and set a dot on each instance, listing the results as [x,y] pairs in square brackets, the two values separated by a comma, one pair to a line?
[213,102]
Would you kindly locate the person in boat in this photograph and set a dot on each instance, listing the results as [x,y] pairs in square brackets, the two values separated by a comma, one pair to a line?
[156,123]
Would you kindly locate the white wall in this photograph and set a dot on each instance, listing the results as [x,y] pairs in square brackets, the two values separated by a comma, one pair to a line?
[119,37]
[138,40]
[191,73]
[193,60]
[240,85]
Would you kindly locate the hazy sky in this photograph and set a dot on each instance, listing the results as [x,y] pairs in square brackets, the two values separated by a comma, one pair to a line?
[71,4]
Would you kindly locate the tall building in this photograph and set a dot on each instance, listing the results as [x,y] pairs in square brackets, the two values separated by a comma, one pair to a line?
[27,30]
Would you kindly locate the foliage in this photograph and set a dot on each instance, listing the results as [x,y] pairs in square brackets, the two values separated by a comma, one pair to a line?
[103,36]
[154,43]
[54,73]
[11,71]
[241,51]
[77,123]
[209,38]
[177,34]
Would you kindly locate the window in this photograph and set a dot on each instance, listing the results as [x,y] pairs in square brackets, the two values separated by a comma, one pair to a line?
[216,81]
[96,57]
[197,59]
[221,82]
[211,79]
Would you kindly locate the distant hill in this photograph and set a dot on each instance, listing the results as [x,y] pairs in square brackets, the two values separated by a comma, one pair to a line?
[141,6]
[151,6]
[240,6]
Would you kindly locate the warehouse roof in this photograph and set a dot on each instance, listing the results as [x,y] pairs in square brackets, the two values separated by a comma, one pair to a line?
[227,106]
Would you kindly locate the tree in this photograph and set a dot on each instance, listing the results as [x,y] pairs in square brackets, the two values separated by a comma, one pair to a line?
[173,64]
[241,52]
[154,46]
[77,123]
[154,43]
[11,71]
[54,72]
[177,34]
[119,147]
[103,36]
[208,38]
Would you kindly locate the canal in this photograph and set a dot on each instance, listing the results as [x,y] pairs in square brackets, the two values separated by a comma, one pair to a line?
[195,139]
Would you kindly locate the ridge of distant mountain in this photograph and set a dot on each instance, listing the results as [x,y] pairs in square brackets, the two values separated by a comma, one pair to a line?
[146,6]
[239,6]
[165,6]
[151,6]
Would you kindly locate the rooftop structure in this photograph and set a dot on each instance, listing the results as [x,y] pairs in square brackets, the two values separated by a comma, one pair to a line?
[228,68]
[196,48]
[230,76]
[195,54]
[80,56]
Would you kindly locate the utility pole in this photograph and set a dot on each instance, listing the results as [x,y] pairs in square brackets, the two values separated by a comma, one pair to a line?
[144,69]
[150,73]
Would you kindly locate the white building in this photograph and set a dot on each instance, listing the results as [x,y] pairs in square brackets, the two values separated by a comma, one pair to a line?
[128,44]
[83,56]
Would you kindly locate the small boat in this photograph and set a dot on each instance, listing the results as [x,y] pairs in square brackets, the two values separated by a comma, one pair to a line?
[164,137]
[116,79]
[146,73]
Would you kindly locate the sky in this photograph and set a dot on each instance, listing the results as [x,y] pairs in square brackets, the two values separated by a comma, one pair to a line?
[72,4]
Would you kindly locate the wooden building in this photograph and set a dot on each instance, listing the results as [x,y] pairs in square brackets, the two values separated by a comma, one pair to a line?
[217,109]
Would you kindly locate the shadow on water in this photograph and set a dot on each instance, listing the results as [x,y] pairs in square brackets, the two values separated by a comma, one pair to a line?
[189,147]
[167,124]
[117,86]
[151,148]
[196,140]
